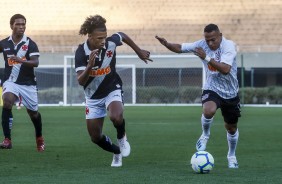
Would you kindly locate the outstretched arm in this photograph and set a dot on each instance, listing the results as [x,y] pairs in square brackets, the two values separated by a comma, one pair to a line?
[174,47]
[142,54]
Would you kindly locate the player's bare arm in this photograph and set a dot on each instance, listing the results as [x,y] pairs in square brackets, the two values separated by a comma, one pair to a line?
[221,67]
[174,47]
[82,76]
[142,54]
[33,62]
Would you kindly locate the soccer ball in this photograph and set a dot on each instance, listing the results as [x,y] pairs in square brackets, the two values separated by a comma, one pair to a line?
[202,162]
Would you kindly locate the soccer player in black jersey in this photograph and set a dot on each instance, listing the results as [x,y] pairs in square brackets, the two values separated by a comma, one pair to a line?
[21,56]
[95,62]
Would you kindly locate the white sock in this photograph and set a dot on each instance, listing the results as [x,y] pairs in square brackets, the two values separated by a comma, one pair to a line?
[206,123]
[232,143]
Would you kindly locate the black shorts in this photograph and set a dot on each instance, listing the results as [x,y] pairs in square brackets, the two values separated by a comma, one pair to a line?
[230,108]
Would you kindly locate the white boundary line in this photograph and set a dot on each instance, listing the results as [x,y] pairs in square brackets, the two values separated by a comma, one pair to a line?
[163,105]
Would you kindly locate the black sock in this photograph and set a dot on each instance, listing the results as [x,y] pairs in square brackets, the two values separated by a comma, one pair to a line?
[106,144]
[6,114]
[11,121]
[37,125]
[120,130]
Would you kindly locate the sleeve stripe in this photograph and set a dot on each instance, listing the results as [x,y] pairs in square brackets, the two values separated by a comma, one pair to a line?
[80,68]
[34,54]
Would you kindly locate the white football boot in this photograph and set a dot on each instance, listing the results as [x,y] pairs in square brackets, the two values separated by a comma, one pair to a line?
[232,162]
[202,143]
[124,146]
[117,160]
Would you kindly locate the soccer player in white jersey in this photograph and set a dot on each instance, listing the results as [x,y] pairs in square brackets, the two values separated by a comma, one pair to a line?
[95,62]
[21,56]
[221,88]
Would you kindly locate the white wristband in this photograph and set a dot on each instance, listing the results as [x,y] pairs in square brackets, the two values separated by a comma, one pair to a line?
[207,59]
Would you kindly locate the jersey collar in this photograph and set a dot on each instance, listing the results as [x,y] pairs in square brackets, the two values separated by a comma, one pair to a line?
[24,39]
[87,49]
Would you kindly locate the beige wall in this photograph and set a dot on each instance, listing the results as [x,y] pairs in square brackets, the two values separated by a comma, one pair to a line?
[55,23]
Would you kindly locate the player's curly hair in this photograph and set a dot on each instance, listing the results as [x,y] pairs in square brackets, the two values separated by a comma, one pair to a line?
[93,23]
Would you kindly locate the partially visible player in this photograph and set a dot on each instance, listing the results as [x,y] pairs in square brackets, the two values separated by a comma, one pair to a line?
[95,64]
[11,116]
[221,88]
[21,56]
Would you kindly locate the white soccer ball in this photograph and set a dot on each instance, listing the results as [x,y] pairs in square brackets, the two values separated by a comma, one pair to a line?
[202,162]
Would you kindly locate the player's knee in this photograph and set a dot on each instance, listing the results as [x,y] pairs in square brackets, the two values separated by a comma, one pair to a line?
[34,115]
[231,128]
[116,118]
[231,119]
[7,104]
[209,113]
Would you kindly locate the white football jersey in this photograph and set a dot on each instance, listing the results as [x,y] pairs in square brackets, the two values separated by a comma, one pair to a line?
[226,86]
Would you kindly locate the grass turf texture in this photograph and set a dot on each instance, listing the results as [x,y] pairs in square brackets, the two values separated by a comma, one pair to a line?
[162,141]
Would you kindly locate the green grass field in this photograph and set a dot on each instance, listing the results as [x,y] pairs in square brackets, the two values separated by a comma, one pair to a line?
[162,141]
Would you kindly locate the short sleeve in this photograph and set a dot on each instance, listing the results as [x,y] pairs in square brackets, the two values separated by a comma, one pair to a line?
[116,38]
[80,59]
[190,47]
[33,49]
[229,53]
[1,47]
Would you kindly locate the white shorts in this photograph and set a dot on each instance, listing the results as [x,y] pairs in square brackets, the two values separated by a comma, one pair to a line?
[97,108]
[27,94]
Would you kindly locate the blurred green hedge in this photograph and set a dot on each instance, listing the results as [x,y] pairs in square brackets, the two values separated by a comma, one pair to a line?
[160,94]
[272,95]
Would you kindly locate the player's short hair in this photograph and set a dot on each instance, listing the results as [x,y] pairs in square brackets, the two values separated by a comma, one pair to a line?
[211,27]
[16,16]
[93,23]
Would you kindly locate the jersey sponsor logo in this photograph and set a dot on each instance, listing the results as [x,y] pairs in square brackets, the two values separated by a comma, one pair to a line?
[12,62]
[211,68]
[109,53]
[5,49]
[217,56]
[100,71]
[24,47]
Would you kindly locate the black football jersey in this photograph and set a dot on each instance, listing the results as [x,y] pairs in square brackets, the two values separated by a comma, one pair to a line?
[103,77]
[17,72]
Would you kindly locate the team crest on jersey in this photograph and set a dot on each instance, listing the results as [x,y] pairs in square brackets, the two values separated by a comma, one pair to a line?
[217,56]
[109,53]
[24,47]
